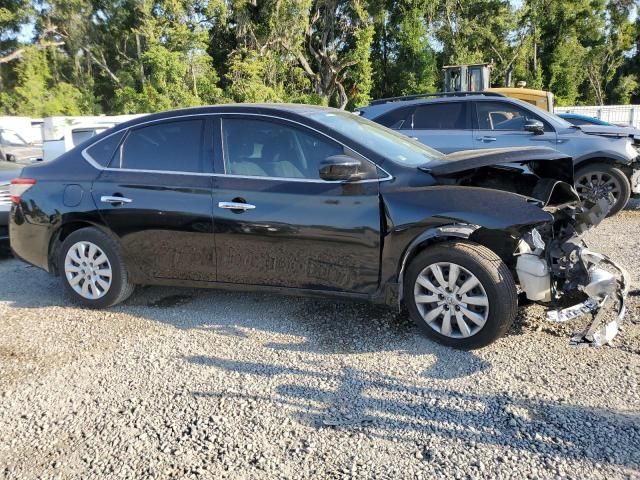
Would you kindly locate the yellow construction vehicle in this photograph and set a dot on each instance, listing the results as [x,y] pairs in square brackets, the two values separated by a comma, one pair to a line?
[476,77]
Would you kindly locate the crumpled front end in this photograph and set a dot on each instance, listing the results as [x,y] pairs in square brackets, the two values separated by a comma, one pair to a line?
[556,268]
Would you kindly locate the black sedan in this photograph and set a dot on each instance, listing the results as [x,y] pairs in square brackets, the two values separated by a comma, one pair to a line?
[309,201]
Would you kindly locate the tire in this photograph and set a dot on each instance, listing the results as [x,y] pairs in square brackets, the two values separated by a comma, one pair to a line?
[603,175]
[11,158]
[81,262]
[496,289]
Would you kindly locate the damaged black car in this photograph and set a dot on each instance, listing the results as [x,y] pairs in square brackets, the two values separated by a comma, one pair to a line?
[309,200]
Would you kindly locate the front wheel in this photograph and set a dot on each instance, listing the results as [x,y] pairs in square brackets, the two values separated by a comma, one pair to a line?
[601,180]
[461,294]
[93,270]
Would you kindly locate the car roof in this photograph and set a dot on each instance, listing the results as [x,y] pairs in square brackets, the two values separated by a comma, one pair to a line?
[291,109]
[443,99]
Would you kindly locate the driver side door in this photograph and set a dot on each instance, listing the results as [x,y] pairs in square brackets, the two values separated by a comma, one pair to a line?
[277,223]
[501,124]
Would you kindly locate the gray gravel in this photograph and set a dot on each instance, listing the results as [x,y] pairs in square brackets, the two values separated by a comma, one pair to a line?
[181,383]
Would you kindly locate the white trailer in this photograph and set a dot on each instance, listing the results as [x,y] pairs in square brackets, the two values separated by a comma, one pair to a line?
[27,128]
[61,134]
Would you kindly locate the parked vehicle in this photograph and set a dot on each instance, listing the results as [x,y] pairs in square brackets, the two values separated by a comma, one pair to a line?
[313,201]
[72,136]
[14,148]
[8,171]
[606,161]
[579,120]
[28,128]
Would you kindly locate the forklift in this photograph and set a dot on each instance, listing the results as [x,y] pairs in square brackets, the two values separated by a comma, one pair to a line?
[476,77]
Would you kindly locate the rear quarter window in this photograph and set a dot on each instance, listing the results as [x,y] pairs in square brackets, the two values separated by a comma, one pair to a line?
[102,151]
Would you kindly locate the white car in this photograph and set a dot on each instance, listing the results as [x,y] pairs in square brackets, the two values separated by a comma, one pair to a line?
[73,135]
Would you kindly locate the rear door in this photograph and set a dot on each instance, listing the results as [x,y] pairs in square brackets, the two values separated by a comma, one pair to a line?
[501,124]
[445,126]
[156,197]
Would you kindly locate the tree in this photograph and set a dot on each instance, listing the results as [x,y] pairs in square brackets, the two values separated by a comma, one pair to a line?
[36,94]
[337,38]
[403,60]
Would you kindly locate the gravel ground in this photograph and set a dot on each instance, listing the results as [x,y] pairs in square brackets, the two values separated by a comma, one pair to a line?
[181,383]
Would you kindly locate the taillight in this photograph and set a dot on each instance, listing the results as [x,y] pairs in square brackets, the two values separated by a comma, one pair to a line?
[19,186]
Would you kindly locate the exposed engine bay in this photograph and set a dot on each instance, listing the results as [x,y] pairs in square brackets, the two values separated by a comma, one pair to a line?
[553,264]
[562,269]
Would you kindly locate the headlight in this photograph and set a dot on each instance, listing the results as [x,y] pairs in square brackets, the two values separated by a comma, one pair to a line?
[631,150]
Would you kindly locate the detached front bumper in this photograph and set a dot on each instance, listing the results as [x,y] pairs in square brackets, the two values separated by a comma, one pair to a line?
[635,180]
[607,291]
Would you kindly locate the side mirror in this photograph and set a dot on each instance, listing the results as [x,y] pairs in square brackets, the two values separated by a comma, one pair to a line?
[340,167]
[534,126]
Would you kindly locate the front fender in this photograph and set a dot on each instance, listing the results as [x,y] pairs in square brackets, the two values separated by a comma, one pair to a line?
[604,155]
[414,216]
[445,204]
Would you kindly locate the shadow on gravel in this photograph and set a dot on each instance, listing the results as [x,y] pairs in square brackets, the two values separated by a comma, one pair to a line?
[323,327]
[319,326]
[390,408]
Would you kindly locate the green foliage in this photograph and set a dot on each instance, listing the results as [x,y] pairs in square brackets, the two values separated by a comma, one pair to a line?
[36,94]
[626,86]
[117,56]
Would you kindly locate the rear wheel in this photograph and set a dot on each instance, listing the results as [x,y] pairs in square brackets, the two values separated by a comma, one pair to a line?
[600,180]
[93,270]
[461,294]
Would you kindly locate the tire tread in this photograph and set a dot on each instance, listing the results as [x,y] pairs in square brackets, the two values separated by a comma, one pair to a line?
[499,275]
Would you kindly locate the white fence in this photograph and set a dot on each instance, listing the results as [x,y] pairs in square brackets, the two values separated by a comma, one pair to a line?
[617,114]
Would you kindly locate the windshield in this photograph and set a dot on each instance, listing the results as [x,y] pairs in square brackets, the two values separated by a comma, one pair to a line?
[9,137]
[392,145]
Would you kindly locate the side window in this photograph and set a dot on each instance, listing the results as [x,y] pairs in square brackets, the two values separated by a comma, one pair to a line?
[504,116]
[397,118]
[441,116]
[269,149]
[103,151]
[167,146]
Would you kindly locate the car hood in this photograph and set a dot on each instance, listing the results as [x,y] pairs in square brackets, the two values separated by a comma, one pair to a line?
[472,159]
[611,131]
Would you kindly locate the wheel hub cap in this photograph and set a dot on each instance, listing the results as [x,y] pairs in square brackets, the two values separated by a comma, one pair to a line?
[597,185]
[88,270]
[451,300]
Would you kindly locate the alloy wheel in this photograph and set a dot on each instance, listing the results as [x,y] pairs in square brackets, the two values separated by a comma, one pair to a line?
[88,270]
[593,186]
[451,300]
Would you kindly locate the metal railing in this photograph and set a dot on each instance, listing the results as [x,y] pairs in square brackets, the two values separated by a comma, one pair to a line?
[617,114]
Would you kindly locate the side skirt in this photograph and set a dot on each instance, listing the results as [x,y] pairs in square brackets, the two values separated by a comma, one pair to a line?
[297,292]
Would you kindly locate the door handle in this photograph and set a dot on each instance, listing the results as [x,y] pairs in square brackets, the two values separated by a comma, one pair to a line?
[236,206]
[486,139]
[114,199]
